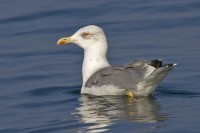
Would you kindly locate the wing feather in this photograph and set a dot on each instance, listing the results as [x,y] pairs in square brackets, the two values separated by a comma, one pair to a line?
[125,77]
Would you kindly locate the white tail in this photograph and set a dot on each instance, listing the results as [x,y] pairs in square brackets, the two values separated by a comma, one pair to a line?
[147,86]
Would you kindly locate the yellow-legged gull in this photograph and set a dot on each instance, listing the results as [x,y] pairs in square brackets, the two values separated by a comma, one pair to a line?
[139,78]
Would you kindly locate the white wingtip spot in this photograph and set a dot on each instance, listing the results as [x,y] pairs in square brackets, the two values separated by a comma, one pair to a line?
[175,64]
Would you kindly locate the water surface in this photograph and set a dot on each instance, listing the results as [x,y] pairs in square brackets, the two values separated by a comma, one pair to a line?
[40,82]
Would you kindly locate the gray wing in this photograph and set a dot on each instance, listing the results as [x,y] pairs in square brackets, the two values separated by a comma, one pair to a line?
[125,77]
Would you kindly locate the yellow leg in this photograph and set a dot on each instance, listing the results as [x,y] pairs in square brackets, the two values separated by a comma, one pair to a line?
[129,93]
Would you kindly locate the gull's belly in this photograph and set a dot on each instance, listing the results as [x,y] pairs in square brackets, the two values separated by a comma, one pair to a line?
[103,90]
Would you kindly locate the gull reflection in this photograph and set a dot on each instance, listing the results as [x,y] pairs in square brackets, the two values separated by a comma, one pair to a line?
[102,112]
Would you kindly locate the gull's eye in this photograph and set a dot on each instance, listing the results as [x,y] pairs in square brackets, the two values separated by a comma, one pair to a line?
[85,34]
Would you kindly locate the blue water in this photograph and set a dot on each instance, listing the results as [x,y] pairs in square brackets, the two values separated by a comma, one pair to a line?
[40,82]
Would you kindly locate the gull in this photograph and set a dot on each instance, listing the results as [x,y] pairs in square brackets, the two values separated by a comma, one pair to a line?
[135,79]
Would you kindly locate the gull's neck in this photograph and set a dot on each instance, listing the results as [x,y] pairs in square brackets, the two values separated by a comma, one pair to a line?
[94,60]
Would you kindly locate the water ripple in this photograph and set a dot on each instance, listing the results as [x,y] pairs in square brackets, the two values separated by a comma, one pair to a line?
[35,15]
[48,90]
[178,93]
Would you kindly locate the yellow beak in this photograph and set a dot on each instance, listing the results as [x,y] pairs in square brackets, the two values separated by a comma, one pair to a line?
[65,40]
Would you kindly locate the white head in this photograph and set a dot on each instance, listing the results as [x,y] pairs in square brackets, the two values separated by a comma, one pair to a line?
[93,40]
[87,37]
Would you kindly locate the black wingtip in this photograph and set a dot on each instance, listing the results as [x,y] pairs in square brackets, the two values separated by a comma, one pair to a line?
[155,63]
